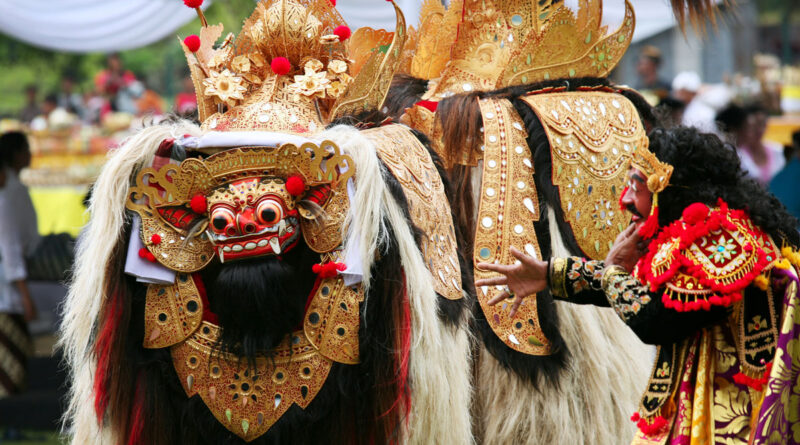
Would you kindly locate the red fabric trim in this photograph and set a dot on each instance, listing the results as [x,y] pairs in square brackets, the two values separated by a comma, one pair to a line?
[650,429]
[755,383]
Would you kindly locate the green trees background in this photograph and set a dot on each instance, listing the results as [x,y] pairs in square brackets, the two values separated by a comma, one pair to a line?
[160,65]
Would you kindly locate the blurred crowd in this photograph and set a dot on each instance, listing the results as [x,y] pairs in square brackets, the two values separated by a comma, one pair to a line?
[737,112]
[115,93]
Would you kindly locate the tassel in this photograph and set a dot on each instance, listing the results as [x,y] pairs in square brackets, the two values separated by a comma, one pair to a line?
[650,227]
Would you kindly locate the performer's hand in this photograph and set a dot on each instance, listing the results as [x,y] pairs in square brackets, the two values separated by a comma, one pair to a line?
[627,249]
[523,279]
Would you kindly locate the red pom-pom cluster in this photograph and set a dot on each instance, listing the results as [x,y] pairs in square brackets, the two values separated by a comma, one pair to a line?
[649,429]
[155,239]
[198,204]
[343,32]
[695,213]
[147,255]
[333,3]
[328,270]
[295,185]
[280,66]
[193,3]
[192,42]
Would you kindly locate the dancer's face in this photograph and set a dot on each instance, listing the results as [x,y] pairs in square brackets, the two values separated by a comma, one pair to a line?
[637,198]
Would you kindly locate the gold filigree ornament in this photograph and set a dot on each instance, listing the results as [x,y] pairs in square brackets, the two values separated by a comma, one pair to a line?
[593,136]
[300,101]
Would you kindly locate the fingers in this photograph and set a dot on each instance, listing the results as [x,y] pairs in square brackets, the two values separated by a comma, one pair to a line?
[503,269]
[522,256]
[494,281]
[500,297]
[515,306]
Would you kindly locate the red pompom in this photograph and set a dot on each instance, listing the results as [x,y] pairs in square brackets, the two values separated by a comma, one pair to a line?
[695,213]
[193,3]
[155,239]
[198,204]
[343,32]
[295,185]
[635,417]
[280,66]
[317,268]
[429,105]
[150,257]
[333,3]
[143,253]
[192,42]
[328,270]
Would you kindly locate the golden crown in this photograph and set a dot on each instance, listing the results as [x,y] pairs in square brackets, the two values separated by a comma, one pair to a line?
[658,172]
[294,67]
[484,45]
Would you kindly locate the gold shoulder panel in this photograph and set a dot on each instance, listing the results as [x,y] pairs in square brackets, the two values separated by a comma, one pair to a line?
[410,162]
[509,205]
[171,312]
[333,319]
[592,137]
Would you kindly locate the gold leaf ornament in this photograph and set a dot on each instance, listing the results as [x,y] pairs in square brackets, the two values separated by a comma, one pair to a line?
[225,86]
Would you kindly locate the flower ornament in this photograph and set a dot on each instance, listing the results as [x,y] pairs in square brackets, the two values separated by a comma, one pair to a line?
[337,66]
[312,83]
[225,86]
[336,88]
[241,64]
[329,39]
[721,249]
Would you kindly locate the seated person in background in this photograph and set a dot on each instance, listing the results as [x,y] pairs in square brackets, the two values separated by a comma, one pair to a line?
[708,290]
[18,239]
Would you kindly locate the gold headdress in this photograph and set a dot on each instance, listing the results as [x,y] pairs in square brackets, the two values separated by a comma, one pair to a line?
[484,45]
[293,68]
[658,173]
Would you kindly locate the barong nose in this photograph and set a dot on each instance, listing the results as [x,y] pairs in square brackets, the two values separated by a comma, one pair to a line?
[245,221]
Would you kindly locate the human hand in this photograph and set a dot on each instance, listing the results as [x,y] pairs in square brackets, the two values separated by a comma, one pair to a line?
[523,279]
[627,249]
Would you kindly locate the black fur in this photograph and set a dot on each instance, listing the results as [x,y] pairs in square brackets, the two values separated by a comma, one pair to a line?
[261,300]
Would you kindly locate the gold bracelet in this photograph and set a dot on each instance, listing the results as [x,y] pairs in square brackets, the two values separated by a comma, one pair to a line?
[558,277]
[609,273]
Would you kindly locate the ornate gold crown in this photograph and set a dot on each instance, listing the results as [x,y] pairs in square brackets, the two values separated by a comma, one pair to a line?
[485,45]
[293,68]
[658,173]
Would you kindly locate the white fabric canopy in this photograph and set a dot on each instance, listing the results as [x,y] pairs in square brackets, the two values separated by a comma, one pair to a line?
[92,25]
[114,25]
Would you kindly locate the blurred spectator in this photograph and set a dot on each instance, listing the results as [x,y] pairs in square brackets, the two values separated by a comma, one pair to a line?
[647,68]
[114,82]
[745,128]
[148,101]
[69,99]
[97,106]
[702,103]
[18,239]
[186,100]
[670,111]
[50,104]
[785,184]
[31,109]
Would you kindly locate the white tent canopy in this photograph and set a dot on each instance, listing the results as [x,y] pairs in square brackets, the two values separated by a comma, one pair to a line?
[92,25]
[115,25]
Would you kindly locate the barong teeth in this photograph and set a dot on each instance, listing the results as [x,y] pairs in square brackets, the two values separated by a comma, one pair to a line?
[221,256]
[275,244]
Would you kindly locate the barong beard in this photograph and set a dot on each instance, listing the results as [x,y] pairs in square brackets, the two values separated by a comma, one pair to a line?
[259,301]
